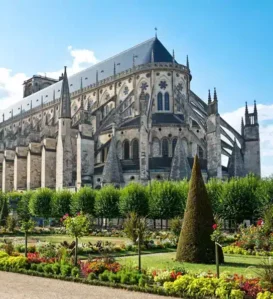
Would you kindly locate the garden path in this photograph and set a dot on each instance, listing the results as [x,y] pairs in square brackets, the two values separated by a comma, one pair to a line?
[19,286]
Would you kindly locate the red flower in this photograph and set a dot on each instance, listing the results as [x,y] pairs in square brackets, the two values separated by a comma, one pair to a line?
[260,222]
[214,226]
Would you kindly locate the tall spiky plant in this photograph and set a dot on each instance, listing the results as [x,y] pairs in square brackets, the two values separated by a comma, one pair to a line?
[195,244]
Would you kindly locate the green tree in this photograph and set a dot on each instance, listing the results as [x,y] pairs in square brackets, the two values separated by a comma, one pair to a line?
[61,203]
[77,227]
[195,244]
[135,227]
[23,210]
[165,200]
[134,198]
[215,189]
[40,203]
[27,226]
[83,201]
[107,202]
[4,212]
[240,200]
[13,198]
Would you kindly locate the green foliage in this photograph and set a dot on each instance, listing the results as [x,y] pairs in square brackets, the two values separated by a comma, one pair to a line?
[75,272]
[215,192]
[40,203]
[23,206]
[134,198]
[61,203]
[66,270]
[107,202]
[83,201]
[4,212]
[27,226]
[13,198]
[77,226]
[11,223]
[12,262]
[268,218]
[165,200]
[240,200]
[135,227]
[195,244]
[176,225]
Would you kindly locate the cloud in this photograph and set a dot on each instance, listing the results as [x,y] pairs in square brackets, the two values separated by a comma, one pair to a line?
[265,115]
[11,88]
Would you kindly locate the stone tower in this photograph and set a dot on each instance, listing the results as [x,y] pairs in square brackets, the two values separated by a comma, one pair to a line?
[252,142]
[64,157]
[213,138]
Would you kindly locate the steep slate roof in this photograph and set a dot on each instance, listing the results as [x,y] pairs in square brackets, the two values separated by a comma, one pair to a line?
[105,69]
[167,118]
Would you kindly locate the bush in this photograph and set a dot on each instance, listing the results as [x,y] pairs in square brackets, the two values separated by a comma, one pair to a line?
[40,203]
[83,201]
[56,268]
[61,203]
[75,272]
[48,268]
[33,267]
[135,227]
[13,262]
[65,270]
[92,276]
[176,225]
[11,223]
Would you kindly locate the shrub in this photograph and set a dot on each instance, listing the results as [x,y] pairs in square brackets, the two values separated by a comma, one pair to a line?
[176,225]
[40,203]
[91,276]
[75,272]
[65,270]
[56,268]
[104,276]
[33,267]
[8,247]
[135,227]
[83,201]
[11,223]
[48,268]
[195,244]
[13,262]
[61,203]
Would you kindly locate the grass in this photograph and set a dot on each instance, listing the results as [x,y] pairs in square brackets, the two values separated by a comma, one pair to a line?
[242,265]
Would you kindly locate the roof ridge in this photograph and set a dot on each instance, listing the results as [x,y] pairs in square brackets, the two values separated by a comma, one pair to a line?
[111,57]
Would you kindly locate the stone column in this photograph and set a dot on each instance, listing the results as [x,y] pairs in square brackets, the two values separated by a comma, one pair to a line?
[85,156]
[48,170]
[20,168]
[8,171]
[1,167]
[34,166]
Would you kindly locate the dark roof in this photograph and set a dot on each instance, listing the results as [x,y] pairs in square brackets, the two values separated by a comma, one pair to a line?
[131,122]
[104,69]
[167,118]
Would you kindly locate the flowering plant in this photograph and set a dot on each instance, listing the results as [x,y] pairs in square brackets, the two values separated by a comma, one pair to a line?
[217,235]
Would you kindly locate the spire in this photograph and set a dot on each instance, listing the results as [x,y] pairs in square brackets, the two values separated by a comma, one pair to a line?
[173,57]
[255,113]
[215,95]
[112,171]
[180,168]
[188,64]
[209,97]
[65,98]
[155,32]
[81,84]
[114,69]
[246,109]
[247,120]
[236,163]
[242,126]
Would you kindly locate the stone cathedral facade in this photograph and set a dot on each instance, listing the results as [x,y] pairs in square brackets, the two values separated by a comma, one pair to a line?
[132,117]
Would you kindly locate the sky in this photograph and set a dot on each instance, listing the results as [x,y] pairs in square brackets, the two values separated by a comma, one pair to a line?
[229,43]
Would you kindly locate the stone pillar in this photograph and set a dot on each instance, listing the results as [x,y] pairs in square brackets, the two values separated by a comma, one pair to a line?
[85,156]
[1,166]
[48,168]
[8,171]
[34,166]
[20,168]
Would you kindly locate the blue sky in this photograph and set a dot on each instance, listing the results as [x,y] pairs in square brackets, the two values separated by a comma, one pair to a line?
[229,44]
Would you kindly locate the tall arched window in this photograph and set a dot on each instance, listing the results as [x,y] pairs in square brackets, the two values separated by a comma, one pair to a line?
[156,147]
[102,155]
[165,148]
[126,150]
[174,144]
[159,101]
[135,149]
[147,96]
[167,101]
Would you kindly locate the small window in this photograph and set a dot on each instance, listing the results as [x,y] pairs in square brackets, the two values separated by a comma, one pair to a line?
[135,149]
[126,150]
[167,101]
[159,102]
[165,148]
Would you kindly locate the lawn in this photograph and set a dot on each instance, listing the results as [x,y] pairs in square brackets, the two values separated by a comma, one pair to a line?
[243,265]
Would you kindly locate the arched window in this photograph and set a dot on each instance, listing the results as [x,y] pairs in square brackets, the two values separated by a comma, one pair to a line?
[135,149]
[174,144]
[147,96]
[165,148]
[167,101]
[156,147]
[200,152]
[102,155]
[126,150]
[159,102]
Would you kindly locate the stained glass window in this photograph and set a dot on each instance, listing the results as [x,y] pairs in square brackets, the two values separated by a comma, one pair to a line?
[167,101]
[165,148]
[159,102]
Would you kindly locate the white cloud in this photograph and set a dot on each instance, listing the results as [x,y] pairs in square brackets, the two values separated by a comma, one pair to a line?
[265,115]
[11,88]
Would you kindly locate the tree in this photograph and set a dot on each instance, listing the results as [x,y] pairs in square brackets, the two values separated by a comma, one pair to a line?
[40,203]
[195,244]
[13,198]
[240,200]
[23,210]
[61,203]
[134,198]
[76,227]
[107,202]
[83,201]
[4,212]
[26,227]
[215,192]
[135,227]
[165,201]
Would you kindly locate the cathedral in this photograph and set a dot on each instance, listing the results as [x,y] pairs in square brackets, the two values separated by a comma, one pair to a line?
[130,118]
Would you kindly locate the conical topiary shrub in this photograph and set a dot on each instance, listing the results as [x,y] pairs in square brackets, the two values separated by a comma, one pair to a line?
[195,244]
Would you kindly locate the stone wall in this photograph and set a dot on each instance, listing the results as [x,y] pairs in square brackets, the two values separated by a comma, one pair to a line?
[48,167]
[34,166]
[20,168]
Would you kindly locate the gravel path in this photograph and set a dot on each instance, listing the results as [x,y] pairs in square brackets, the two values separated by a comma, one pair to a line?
[19,286]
